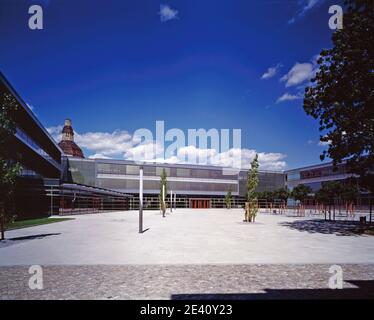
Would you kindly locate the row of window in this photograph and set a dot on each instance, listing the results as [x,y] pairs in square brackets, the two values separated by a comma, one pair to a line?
[122,169]
[173,185]
[315,173]
[28,172]
[323,172]
[30,142]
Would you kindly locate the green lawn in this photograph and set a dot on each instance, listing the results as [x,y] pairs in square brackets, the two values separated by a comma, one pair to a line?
[33,222]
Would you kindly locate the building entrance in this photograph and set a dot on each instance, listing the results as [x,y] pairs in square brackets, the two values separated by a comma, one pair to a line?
[200,203]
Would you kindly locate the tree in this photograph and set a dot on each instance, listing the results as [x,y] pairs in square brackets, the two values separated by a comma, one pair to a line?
[341,96]
[9,167]
[163,191]
[266,195]
[332,190]
[322,197]
[343,190]
[252,182]
[282,194]
[228,198]
[300,192]
[349,190]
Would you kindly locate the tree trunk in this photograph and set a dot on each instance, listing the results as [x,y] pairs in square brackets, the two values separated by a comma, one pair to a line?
[247,215]
[2,222]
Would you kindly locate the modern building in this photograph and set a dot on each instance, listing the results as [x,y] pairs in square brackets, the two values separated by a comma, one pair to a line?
[194,185]
[38,154]
[57,179]
[314,176]
[39,188]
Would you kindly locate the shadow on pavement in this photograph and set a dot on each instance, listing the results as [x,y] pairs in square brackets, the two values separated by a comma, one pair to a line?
[34,236]
[10,241]
[339,228]
[365,290]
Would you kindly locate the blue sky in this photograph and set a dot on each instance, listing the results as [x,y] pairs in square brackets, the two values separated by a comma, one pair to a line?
[115,66]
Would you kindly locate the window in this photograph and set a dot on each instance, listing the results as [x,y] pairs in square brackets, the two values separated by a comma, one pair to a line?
[159,171]
[132,169]
[183,172]
[293,176]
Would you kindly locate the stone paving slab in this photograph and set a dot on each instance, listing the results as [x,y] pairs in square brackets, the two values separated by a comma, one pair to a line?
[271,281]
[187,236]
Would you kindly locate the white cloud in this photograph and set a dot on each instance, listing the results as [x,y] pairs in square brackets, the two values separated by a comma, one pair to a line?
[122,144]
[108,144]
[288,97]
[271,72]
[144,151]
[55,132]
[305,6]
[235,157]
[98,156]
[190,153]
[103,144]
[167,13]
[244,157]
[299,73]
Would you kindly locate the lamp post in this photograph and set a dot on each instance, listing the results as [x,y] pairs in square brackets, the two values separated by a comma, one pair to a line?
[171,200]
[141,199]
[163,201]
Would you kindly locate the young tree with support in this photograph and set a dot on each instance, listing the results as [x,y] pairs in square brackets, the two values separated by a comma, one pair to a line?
[163,192]
[251,206]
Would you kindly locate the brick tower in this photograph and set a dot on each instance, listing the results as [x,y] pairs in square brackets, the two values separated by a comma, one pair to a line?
[67,144]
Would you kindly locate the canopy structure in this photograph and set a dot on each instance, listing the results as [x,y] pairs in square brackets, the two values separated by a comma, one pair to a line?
[79,199]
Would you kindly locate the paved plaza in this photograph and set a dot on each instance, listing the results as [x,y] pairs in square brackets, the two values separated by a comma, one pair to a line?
[193,254]
[187,236]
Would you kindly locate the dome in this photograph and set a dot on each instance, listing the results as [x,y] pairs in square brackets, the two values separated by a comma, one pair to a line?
[67,144]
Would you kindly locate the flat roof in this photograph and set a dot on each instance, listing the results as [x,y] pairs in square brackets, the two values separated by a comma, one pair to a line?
[166,165]
[95,190]
[315,166]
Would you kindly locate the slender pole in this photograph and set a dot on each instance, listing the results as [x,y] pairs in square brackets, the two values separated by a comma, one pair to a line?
[370,205]
[171,200]
[141,200]
[163,201]
[51,200]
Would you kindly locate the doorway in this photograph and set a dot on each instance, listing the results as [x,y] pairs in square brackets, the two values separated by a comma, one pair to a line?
[200,203]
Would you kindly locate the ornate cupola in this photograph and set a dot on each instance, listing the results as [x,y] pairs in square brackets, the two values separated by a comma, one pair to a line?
[67,131]
[67,144]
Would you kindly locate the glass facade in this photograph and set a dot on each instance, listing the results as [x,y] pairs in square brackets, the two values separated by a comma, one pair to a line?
[22,135]
[80,171]
[268,181]
[322,172]
[25,172]
[315,176]
[38,155]
[124,176]
[154,185]
[309,173]
[292,176]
